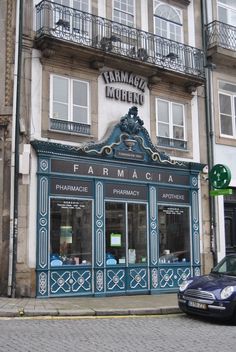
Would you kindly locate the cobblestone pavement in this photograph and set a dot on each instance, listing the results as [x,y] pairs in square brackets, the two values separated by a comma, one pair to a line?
[120,334]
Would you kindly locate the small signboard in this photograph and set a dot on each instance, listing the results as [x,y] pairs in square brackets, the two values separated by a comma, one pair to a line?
[221,192]
[115,240]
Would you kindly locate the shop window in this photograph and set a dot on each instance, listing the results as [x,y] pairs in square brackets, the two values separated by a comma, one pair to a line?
[170,121]
[70,232]
[174,234]
[227,107]
[123,12]
[126,233]
[69,109]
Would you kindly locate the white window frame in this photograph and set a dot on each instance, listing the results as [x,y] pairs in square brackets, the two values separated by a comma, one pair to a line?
[170,124]
[69,99]
[156,4]
[229,10]
[232,96]
[83,27]
[129,13]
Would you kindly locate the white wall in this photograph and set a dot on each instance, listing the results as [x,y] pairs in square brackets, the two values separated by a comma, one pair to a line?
[111,110]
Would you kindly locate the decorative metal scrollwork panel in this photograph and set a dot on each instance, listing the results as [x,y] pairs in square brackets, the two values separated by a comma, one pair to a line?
[70,281]
[172,277]
[137,279]
[42,280]
[115,279]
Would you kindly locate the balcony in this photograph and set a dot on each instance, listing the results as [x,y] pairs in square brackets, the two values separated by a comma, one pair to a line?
[172,143]
[221,41]
[99,38]
[69,127]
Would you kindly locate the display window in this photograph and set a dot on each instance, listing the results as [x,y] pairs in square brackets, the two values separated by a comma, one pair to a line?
[70,232]
[174,234]
[126,233]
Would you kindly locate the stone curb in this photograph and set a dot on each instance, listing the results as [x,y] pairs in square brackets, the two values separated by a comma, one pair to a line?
[89,312]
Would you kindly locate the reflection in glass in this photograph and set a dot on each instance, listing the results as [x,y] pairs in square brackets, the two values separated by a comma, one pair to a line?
[174,233]
[137,233]
[71,232]
[126,224]
[115,225]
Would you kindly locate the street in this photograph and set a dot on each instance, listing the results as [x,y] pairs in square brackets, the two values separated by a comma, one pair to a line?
[116,334]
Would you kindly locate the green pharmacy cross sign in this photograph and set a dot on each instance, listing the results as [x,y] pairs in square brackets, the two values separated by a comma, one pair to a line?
[220,177]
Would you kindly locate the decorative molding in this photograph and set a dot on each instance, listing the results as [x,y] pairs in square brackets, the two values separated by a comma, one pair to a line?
[4,120]
[10,39]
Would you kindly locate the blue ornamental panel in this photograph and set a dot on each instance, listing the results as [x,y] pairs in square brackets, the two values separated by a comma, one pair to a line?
[171,277]
[70,281]
[42,283]
[137,279]
[42,238]
[115,280]
[99,225]
[99,281]
[153,226]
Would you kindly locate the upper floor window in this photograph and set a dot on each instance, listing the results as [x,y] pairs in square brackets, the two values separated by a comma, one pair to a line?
[82,5]
[227,107]
[69,104]
[168,21]
[123,12]
[170,121]
[227,11]
[71,20]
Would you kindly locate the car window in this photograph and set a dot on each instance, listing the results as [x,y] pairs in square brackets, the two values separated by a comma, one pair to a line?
[226,266]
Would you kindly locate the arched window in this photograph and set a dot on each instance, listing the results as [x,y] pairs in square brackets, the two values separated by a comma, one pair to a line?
[168,21]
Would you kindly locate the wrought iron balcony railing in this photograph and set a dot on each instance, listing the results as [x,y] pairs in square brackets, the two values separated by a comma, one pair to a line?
[171,143]
[221,34]
[69,126]
[69,24]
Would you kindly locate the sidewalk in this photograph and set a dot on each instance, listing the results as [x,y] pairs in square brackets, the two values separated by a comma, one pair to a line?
[90,306]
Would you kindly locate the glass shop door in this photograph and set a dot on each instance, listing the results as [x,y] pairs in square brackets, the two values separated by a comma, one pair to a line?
[126,233]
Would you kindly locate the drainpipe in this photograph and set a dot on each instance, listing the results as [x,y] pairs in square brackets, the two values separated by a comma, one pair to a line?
[15,153]
[210,131]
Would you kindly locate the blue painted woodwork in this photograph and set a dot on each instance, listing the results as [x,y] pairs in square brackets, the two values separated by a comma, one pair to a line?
[128,146]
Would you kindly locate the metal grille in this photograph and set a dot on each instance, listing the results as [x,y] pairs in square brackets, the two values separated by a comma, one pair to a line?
[221,34]
[71,25]
[69,126]
[191,293]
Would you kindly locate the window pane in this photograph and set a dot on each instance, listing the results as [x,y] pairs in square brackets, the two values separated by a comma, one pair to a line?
[222,14]
[163,130]
[177,111]
[225,104]
[60,89]
[226,125]
[174,232]
[163,111]
[60,111]
[80,96]
[115,233]
[80,114]
[178,132]
[227,86]
[137,233]
[230,3]
[71,232]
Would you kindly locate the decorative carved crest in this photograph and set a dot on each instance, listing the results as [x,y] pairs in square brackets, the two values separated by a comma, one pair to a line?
[131,122]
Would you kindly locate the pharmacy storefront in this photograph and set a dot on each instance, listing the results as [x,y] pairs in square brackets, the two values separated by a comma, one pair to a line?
[116,217]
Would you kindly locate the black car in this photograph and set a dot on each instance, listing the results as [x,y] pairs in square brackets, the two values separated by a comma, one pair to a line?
[212,295]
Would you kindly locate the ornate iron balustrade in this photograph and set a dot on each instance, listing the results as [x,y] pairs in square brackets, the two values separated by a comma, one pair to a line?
[171,143]
[69,24]
[221,34]
[69,126]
